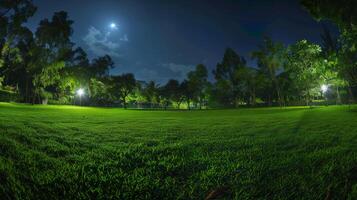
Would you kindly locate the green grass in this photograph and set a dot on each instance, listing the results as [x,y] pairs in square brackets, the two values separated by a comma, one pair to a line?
[65,152]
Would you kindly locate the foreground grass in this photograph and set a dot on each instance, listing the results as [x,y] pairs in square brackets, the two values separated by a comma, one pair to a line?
[64,152]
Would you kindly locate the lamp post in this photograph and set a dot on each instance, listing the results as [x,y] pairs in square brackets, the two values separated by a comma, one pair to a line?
[80,93]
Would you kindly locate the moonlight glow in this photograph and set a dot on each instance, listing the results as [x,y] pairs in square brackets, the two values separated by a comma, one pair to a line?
[113,26]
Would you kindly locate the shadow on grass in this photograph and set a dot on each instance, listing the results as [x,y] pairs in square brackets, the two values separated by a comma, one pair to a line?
[304,120]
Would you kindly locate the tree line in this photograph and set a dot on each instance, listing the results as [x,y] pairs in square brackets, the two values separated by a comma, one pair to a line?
[45,66]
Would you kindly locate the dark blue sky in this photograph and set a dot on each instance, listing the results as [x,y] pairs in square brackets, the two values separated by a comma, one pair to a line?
[158,39]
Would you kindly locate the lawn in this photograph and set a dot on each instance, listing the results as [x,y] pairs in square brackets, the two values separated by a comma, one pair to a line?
[65,152]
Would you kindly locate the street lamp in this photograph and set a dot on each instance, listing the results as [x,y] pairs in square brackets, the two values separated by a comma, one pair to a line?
[80,93]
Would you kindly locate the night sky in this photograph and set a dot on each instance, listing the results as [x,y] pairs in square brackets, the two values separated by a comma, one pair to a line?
[158,40]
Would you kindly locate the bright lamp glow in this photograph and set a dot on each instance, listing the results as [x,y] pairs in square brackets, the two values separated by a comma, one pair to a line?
[324,88]
[80,92]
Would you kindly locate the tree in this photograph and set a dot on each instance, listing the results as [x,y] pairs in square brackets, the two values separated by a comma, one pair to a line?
[332,52]
[123,86]
[175,90]
[344,15]
[347,59]
[305,66]
[14,61]
[100,66]
[270,61]
[50,50]
[187,92]
[164,96]
[13,14]
[227,84]
[248,84]
[17,11]
[100,91]
[168,92]
[151,93]
[197,81]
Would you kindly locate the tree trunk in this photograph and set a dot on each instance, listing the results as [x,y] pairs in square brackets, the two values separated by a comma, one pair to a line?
[351,94]
[236,102]
[39,99]
[253,97]
[44,101]
[124,102]
[275,84]
[27,91]
[278,93]
[338,98]
[308,99]
[254,101]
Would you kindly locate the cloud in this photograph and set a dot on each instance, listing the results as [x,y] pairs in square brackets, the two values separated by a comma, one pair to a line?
[99,43]
[124,38]
[161,73]
[179,70]
[148,74]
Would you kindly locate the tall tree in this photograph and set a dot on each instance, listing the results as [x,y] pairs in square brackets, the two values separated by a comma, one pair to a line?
[226,81]
[13,14]
[49,52]
[305,66]
[347,59]
[100,91]
[176,92]
[344,15]
[187,92]
[331,51]
[123,86]
[151,93]
[270,60]
[249,82]
[197,81]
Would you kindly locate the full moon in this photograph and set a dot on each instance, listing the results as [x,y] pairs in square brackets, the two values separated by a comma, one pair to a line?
[113,26]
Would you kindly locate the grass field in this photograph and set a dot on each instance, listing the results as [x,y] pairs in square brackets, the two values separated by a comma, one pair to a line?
[64,152]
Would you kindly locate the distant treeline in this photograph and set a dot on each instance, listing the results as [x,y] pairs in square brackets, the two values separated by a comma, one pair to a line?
[45,66]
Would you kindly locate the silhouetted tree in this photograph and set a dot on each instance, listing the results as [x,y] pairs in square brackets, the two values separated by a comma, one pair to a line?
[151,93]
[15,41]
[227,84]
[270,61]
[197,82]
[123,86]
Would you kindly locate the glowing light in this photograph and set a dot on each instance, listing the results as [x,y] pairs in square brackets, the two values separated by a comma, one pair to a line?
[113,26]
[324,88]
[80,92]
